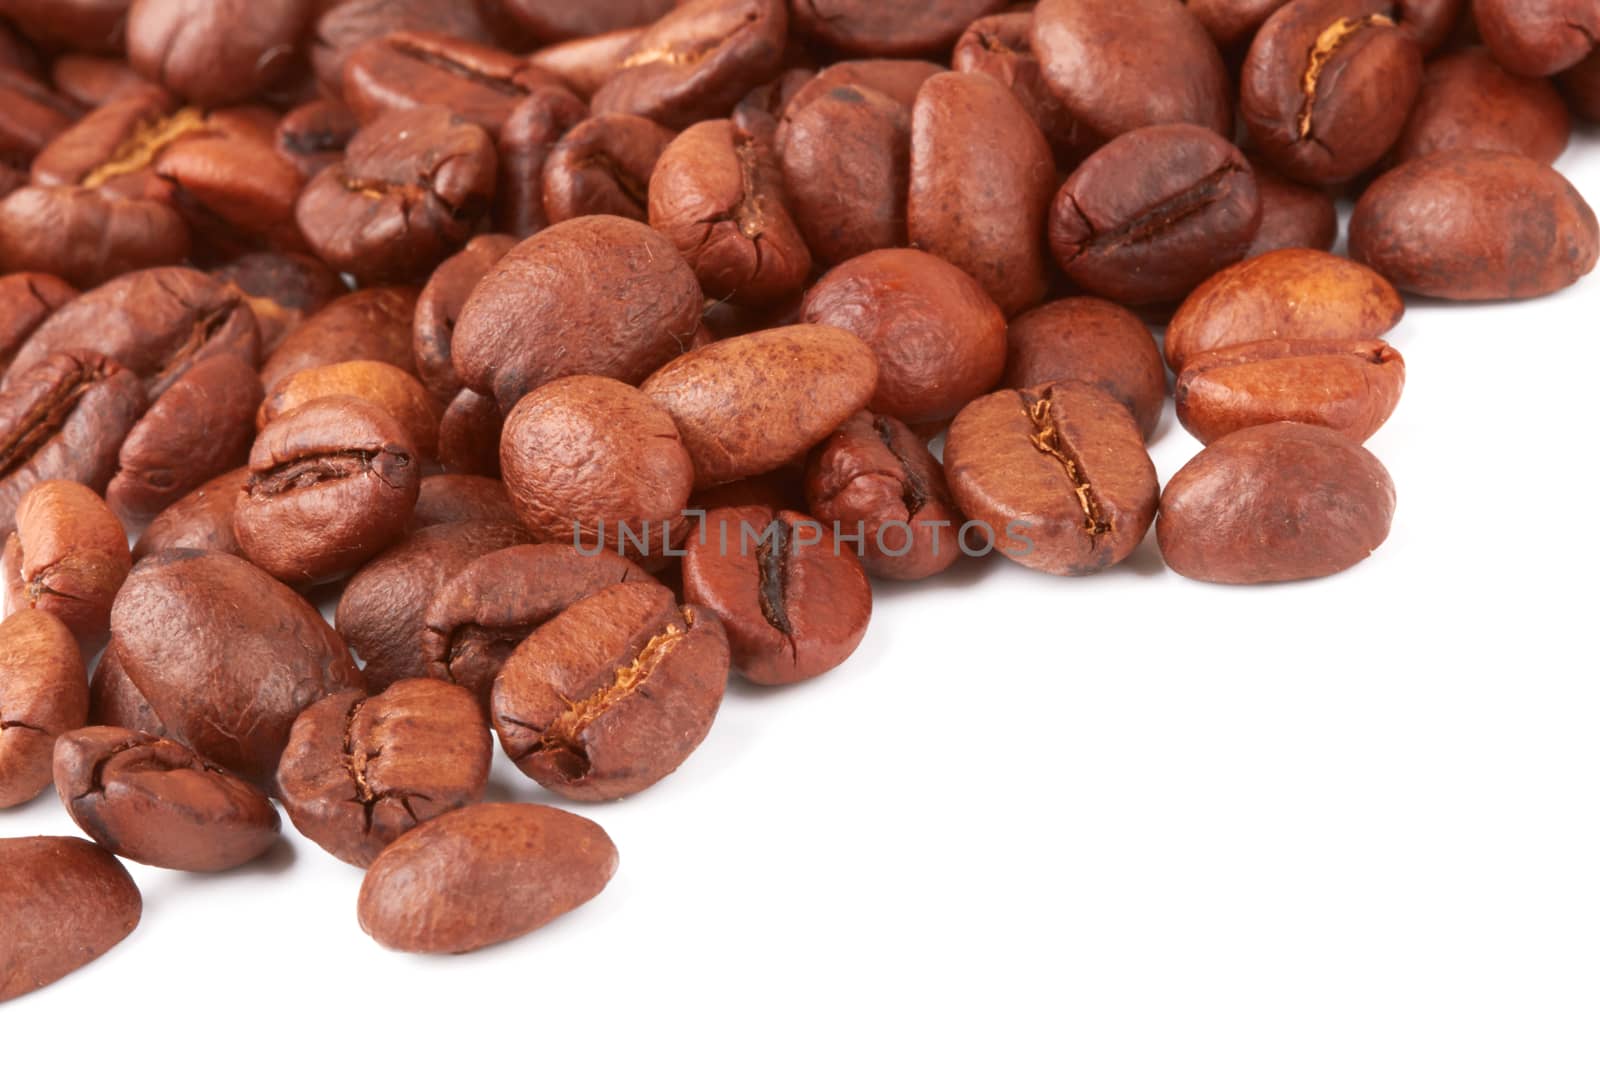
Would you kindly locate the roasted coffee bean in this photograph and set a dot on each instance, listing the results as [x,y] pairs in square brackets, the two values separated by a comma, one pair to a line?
[26,301]
[115,701]
[1348,386]
[87,25]
[154,801]
[332,484]
[480,616]
[1095,342]
[313,136]
[602,166]
[1120,65]
[559,20]
[202,519]
[889,27]
[1536,39]
[1327,86]
[1275,503]
[43,694]
[898,79]
[1058,476]
[876,479]
[1232,22]
[68,556]
[780,490]
[368,324]
[475,83]
[382,385]
[344,26]
[695,62]
[86,236]
[1469,101]
[64,418]
[718,196]
[486,874]
[282,289]
[469,435]
[750,404]
[1473,225]
[549,309]
[1292,215]
[1582,87]
[587,63]
[981,181]
[795,601]
[382,609]
[360,771]
[532,130]
[1154,213]
[91,81]
[254,655]
[67,903]
[612,694]
[439,307]
[30,116]
[215,51]
[461,498]
[1001,46]
[940,340]
[1296,294]
[410,189]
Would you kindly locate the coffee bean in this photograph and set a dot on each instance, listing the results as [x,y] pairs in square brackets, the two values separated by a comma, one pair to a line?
[43,694]
[1292,215]
[344,26]
[1473,225]
[1232,22]
[439,307]
[1538,39]
[87,25]
[1001,46]
[86,236]
[558,20]
[313,136]
[382,385]
[486,874]
[68,556]
[1348,386]
[30,116]
[1095,342]
[461,498]
[1275,503]
[154,801]
[898,79]
[360,771]
[67,903]
[889,27]
[779,490]
[369,324]
[587,63]
[215,51]
[602,166]
[26,301]
[282,289]
[1469,101]
[92,81]
[529,134]
[1582,87]
[115,701]
[202,519]
[612,694]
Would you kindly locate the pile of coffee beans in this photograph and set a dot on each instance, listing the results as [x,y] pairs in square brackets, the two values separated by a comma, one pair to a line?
[590,353]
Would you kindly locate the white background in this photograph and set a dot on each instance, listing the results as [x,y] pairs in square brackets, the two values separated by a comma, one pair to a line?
[1128,819]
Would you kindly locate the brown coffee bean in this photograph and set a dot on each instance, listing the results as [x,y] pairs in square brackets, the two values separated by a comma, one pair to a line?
[344,26]
[254,655]
[587,63]
[67,903]
[1275,503]
[554,307]
[751,404]
[439,307]
[410,189]
[115,701]
[283,290]
[1095,342]
[469,435]
[88,25]
[1327,86]
[382,385]
[876,480]
[215,51]
[202,519]
[1297,294]
[529,134]
[1348,386]
[1470,101]
[612,694]
[480,616]
[1232,22]
[383,607]
[1154,213]
[462,498]
[332,484]
[43,694]
[68,556]
[1582,87]
[1292,215]
[1001,46]
[1536,39]
[981,180]
[1471,225]
[486,874]
[360,771]
[26,301]
[91,81]
[558,20]
[313,136]
[898,79]
[30,116]
[369,324]
[154,801]
[602,166]
[474,82]
[1119,66]
[889,27]
[695,62]
[940,340]
[780,490]
[86,236]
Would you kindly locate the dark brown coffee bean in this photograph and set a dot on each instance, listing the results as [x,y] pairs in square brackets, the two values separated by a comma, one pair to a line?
[1058,475]
[940,340]
[1582,87]
[486,874]
[1297,294]
[612,694]
[154,801]
[344,26]
[26,301]
[889,27]
[480,616]
[587,63]
[410,189]
[1275,503]
[369,324]
[30,116]
[383,607]
[202,519]
[384,386]
[695,62]
[115,701]
[254,655]
[1470,101]
[282,289]
[67,903]
[1154,213]
[1292,215]
[1470,225]
[1348,386]
[43,694]
[313,136]
[559,20]
[1095,342]
[68,556]
[1536,39]
[602,166]
[1001,46]
[1327,87]
[215,51]
[750,404]
[596,295]
[439,307]
[332,484]
[86,236]
[462,498]
[532,130]
[360,771]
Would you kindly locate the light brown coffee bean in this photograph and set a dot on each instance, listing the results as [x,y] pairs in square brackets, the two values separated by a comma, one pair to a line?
[67,902]
[43,694]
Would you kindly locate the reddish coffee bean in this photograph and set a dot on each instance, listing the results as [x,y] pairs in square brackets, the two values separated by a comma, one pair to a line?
[344,26]
[532,130]
[215,51]
[889,27]
[898,79]
[780,490]
[1292,215]
[612,694]
[91,81]
[282,289]
[67,903]
[313,136]
[469,435]
[475,83]
[115,701]
[1582,87]
[370,324]
[43,694]
[382,385]
[602,166]
[30,116]
[68,556]
[1536,39]
[486,874]
[86,236]
[1095,342]
[439,307]
[154,801]
[1275,503]
[559,20]
[1232,22]
[360,771]
[1001,46]
[87,25]
[1469,101]
[1471,225]
[26,301]
[462,498]
[587,63]
[203,519]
